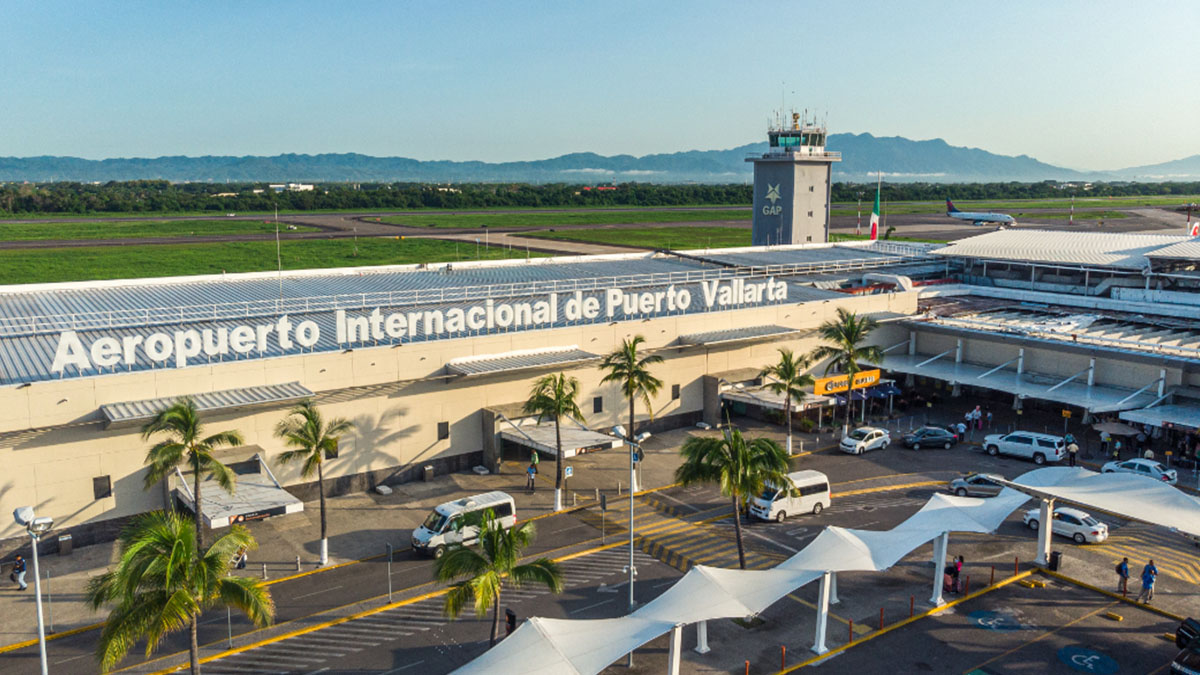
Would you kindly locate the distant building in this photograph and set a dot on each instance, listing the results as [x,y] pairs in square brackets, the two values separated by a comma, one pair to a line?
[792,185]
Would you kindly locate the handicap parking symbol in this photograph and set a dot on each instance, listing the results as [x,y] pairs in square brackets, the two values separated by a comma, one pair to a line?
[994,620]
[1087,660]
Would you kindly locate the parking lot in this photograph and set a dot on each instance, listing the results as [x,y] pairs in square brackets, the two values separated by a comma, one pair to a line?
[1060,628]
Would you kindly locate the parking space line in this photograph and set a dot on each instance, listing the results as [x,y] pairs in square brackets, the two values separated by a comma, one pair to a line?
[592,606]
[1044,635]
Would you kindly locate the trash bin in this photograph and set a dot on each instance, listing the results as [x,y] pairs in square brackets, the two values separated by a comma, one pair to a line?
[427,473]
[65,544]
[510,621]
[1055,561]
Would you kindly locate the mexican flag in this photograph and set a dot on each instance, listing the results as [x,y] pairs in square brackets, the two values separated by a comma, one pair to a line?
[875,212]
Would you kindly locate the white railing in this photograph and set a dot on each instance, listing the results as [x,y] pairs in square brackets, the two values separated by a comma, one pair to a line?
[149,316]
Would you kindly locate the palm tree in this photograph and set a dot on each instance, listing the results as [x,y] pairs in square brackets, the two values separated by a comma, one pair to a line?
[484,571]
[741,467]
[633,375]
[553,396]
[845,337]
[186,444]
[788,377]
[162,583]
[312,438]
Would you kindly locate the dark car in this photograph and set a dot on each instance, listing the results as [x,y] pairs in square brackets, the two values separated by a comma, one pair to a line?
[929,437]
[1188,660]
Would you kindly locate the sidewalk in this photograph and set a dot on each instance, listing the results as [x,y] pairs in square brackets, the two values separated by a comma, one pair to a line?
[360,526]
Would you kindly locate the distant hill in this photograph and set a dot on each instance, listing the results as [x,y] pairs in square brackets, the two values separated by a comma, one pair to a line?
[900,159]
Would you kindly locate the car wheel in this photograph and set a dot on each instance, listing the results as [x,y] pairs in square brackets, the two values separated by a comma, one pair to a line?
[961,492]
[1079,538]
[1033,524]
[780,517]
[1108,471]
[439,552]
[1039,459]
[947,445]
[817,511]
[993,450]
[916,446]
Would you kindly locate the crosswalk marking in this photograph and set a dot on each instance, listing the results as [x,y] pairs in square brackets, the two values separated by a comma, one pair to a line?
[1169,551]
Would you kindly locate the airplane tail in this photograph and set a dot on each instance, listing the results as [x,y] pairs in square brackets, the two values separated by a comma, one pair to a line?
[1195,229]
[950,206]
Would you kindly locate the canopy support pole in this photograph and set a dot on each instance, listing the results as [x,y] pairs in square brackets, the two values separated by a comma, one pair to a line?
[702,638]
[676,643]
[1045,525]
[833,596]
[822,615]
[939,568]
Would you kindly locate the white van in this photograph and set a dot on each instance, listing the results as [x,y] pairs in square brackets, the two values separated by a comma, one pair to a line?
[810,494]
[445,526]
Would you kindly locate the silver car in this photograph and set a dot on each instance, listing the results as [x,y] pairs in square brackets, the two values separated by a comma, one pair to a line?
[976,485]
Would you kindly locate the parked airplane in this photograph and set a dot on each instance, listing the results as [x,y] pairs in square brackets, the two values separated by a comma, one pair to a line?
[978,218]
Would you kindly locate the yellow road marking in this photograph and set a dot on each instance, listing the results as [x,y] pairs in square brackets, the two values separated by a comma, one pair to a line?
[1044,635]
[886,488]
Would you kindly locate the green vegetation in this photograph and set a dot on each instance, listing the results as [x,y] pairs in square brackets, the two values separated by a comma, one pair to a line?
[497,220]
[127,262]
[139,228]
[1010,205]
[656,237]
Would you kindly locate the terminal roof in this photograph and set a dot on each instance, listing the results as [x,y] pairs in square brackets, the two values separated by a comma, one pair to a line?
[1094,249]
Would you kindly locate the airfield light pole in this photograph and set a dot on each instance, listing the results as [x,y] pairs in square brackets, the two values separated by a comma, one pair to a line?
[1072,219]
[858,225]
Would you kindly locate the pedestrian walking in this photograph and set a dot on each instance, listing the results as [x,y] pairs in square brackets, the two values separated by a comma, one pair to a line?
[977,415]
[1123,576]
[1117,449]
[1105,439]
[1072,450]
[531,477]
[962,431]
[1149,454]
[534,459]
[1149,574]
[989,418]
[18,573]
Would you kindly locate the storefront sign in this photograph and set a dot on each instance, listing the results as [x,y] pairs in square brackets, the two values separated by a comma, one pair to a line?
[348,328]
[840,383]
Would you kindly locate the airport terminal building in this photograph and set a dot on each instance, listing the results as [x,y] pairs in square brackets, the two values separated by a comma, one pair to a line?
[432,363]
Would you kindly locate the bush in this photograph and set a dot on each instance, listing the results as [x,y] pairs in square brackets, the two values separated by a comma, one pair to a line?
[806,426]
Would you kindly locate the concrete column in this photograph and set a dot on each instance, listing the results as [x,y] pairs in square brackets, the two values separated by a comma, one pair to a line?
[822,615]
[939,567]
[1091,371]
[1020,360]
[712,400]
[833,596]
[673,656]
[912,343]
[1162,381]
[702,638]
[958,351]
[1045,527]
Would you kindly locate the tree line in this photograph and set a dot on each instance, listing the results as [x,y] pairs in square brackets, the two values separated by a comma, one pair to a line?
[161,196]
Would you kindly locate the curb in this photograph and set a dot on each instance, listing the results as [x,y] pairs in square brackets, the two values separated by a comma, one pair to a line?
[54,636]
[1122,598]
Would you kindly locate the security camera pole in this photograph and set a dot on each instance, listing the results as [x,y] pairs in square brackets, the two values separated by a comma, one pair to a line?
[36,527]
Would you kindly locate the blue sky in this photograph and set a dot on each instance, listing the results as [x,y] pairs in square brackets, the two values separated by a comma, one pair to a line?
[1089,85]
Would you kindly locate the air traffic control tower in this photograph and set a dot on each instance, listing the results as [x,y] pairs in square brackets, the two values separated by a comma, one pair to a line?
[792,183]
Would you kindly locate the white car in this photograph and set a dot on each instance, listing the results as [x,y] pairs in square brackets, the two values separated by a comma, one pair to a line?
[1041,448]
[1072,523]
[863,439]
[1142,467]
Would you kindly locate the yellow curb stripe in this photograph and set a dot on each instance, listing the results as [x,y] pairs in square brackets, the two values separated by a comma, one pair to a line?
[53,636]
[899,624]
[886,488]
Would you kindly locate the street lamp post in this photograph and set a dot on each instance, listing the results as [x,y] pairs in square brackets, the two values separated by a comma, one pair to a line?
[634,446]
[36,527]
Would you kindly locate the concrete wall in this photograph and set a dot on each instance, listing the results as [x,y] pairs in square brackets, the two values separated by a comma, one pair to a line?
[383,390]
[803,190]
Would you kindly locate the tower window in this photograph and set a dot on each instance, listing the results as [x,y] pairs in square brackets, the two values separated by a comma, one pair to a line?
[674,392]
[598,404]
[443,430]
[811,188]
[810,214]
[101,487]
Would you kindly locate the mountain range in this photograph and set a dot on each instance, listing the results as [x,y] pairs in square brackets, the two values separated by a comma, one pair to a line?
[900,159]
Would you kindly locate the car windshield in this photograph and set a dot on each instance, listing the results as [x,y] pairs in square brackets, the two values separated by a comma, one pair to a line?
[769,493]
[858,434]
[434,522]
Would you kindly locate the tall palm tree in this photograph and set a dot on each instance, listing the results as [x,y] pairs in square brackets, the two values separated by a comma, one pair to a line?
[162,583]
[787,378]
[311,439]
[553,397]
[741,467]
[845,349]
[484,571]
[185,443]
[631,371]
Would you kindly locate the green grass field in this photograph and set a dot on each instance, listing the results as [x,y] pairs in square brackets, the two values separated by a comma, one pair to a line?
[655,237]
[127,262]
[139,228]
[505,220]
[1010,205]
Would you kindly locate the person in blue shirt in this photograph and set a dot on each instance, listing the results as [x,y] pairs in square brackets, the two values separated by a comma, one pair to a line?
[1149,573]
[1123,576]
